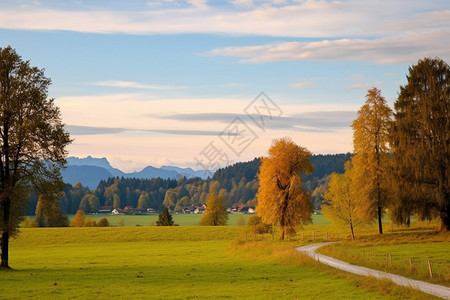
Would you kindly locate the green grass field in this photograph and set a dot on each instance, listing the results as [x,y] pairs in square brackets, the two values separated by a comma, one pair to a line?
[180,219]
[182,262]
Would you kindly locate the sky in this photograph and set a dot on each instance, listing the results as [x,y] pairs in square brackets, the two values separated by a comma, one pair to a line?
[204,84]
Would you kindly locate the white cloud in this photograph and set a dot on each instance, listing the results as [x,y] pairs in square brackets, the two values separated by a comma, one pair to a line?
[134,85]
[364,86]
[302,85]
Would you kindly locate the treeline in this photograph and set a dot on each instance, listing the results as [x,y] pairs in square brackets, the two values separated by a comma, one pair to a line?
[236,183]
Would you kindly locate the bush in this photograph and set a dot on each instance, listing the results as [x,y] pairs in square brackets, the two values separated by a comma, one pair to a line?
[258,226]
[103,223]
[89,223]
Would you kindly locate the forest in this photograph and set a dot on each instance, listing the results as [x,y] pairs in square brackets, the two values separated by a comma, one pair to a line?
[237,183]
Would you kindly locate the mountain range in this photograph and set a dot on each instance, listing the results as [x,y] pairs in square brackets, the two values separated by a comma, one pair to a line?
[89,171]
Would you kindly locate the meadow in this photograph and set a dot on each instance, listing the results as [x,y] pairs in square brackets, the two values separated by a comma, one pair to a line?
[182,262]
[179,219]
[419,252]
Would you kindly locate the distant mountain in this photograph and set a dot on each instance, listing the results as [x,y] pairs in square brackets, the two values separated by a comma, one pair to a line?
[91,161]
[188,172]
[88,176]
[89,171]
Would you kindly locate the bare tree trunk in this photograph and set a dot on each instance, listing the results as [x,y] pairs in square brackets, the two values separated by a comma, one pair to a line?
[5,234]
[445,220]
[380,225]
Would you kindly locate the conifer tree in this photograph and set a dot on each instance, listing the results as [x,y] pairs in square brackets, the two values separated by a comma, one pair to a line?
[421,141]
[371,159]
[280,197]
[164,218]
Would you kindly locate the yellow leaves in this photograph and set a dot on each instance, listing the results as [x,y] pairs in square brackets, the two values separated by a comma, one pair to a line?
[280,198]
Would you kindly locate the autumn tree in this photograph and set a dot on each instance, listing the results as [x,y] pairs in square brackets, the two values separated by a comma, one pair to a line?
[32,140]
[371,159]
[48,212]
[216,211]
[78,220]
[165,218]
[421,140]
[280,197]
[341,203]
[143,201]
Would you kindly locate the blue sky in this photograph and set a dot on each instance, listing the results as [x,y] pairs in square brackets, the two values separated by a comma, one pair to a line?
[164,82]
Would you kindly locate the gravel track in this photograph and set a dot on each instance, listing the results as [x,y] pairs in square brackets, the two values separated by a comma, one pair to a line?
[429,288]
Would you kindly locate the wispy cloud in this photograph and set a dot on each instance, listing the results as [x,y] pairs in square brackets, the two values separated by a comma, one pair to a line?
[312,18]
[315,121]
[395,49]
[95,130]
[134,85]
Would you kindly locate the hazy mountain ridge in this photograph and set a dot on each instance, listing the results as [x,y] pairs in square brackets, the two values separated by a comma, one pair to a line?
[89,171]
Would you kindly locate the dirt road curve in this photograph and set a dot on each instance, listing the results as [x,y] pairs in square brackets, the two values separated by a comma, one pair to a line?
[432,289]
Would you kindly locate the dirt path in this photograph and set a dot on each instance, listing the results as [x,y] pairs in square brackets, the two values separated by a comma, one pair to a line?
[429,288]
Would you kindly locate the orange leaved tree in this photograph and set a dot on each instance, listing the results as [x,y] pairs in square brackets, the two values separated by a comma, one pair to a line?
[280,197]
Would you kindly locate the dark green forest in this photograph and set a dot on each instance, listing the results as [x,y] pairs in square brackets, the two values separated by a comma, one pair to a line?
[237,183]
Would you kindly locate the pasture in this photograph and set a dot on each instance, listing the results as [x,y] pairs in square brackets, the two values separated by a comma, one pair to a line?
[180,219]
[182,262]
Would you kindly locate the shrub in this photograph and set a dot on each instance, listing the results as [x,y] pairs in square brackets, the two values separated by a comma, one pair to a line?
[103,222]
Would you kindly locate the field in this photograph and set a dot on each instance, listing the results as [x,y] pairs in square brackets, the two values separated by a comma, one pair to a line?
[180,219]
[182,262]
[406,252]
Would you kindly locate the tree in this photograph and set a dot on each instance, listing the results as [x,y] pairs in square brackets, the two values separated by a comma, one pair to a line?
[280,197]
[144,201]
[421,139]
[78,220]
[341,203]
[116,202]
[48,212]
[32,140]
[371,161]
[164,218]
[216,211]
[94,203]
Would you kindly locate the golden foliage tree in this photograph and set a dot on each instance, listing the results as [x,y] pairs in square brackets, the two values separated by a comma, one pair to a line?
[340,203]
[216,211]
[371,160]
[78,220]
[280,197]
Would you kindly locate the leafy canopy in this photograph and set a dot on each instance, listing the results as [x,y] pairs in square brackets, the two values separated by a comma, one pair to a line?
[280,197]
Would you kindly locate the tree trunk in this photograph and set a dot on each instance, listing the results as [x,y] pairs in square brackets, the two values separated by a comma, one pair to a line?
[380,226]
[353,233]
[445,220]
[5,251]
[5,234]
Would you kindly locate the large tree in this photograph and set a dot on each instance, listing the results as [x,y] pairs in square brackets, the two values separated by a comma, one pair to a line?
[32,140]
[371,159]
[421,138]
[280,197]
